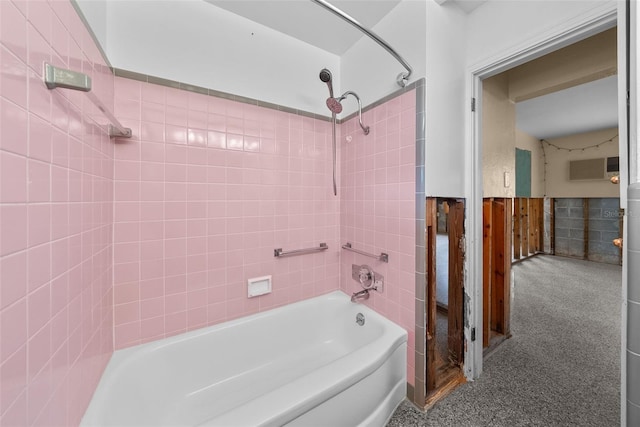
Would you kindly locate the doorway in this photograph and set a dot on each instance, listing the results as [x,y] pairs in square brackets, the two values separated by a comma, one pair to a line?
[445,296]
[527,155]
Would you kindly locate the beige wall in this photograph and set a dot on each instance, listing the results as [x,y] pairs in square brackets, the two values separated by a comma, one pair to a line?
[525,141]
[582,62]
[498,137]
[557,177]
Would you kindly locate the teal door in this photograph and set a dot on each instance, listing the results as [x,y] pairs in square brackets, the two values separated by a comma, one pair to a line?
[523,173]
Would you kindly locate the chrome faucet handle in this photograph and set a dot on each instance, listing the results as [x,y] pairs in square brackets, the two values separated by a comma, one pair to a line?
[368,279]
[366,276]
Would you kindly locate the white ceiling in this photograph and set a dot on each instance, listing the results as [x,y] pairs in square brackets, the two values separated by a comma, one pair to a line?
[584,108]
[311,23]
[469,5]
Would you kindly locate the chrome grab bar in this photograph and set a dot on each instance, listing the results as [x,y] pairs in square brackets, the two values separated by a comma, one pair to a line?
[55,77]
[402,78]
[382,257]
[280,253]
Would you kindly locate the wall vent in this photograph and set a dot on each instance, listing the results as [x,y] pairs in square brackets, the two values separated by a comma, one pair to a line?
[587,169]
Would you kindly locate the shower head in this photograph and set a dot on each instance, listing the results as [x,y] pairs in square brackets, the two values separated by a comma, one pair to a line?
[325,76]
[334,105]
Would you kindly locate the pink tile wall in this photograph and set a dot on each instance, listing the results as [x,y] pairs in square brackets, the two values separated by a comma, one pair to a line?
[204,193]
[56,211]
[377,211]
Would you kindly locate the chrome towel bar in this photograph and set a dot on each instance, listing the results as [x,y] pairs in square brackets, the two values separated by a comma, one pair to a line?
[55,77]
[382,257]
[280,253]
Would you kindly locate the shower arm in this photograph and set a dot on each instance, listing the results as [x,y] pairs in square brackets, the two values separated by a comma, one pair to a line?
[402,78]
[365,129]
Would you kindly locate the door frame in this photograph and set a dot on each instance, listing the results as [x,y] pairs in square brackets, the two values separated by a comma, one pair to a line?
[598,20]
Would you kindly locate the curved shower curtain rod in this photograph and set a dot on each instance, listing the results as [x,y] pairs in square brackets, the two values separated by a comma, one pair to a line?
[402,78]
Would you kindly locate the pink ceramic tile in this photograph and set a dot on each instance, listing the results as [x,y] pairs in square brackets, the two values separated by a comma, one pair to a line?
[60,39]
[61,235]
[176,116]
[127,190]
[175,323]
[59,294]
[152,112]
[217,122]
[13,178]
[126,293]
[152,327]
[198,120]
[153,288]
[13,78]
[16,414]
[177,98]
[126,211]
[127,170]
[176,154]
[152,250]
[127,89]
[197,318]
[126,313]
[152,171]
[13,29]
[39,50]
[126,335]
[38,394]
[150,131]
[38,308]
[13,326]
[150,269]
[13,278]
[126,232]
[216,139]
[13,138]
[176,267]
[388,161]
[126,272]
[151,191]
[127,109]
[13,377]
[174,284]
[198,102]
[39,181]
[13,223]
[151,308]
[40,138]
[152,210]
[151,230]
[152,93]
[235,142]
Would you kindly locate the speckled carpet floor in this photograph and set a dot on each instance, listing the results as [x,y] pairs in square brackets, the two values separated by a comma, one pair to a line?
[562,365]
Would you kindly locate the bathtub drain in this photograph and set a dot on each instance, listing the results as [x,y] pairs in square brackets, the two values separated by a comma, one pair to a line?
[360,319]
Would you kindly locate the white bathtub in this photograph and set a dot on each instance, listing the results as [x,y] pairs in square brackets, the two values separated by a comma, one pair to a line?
[305,364]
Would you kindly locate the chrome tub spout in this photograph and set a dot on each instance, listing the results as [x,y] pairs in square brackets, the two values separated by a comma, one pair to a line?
[361,295]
